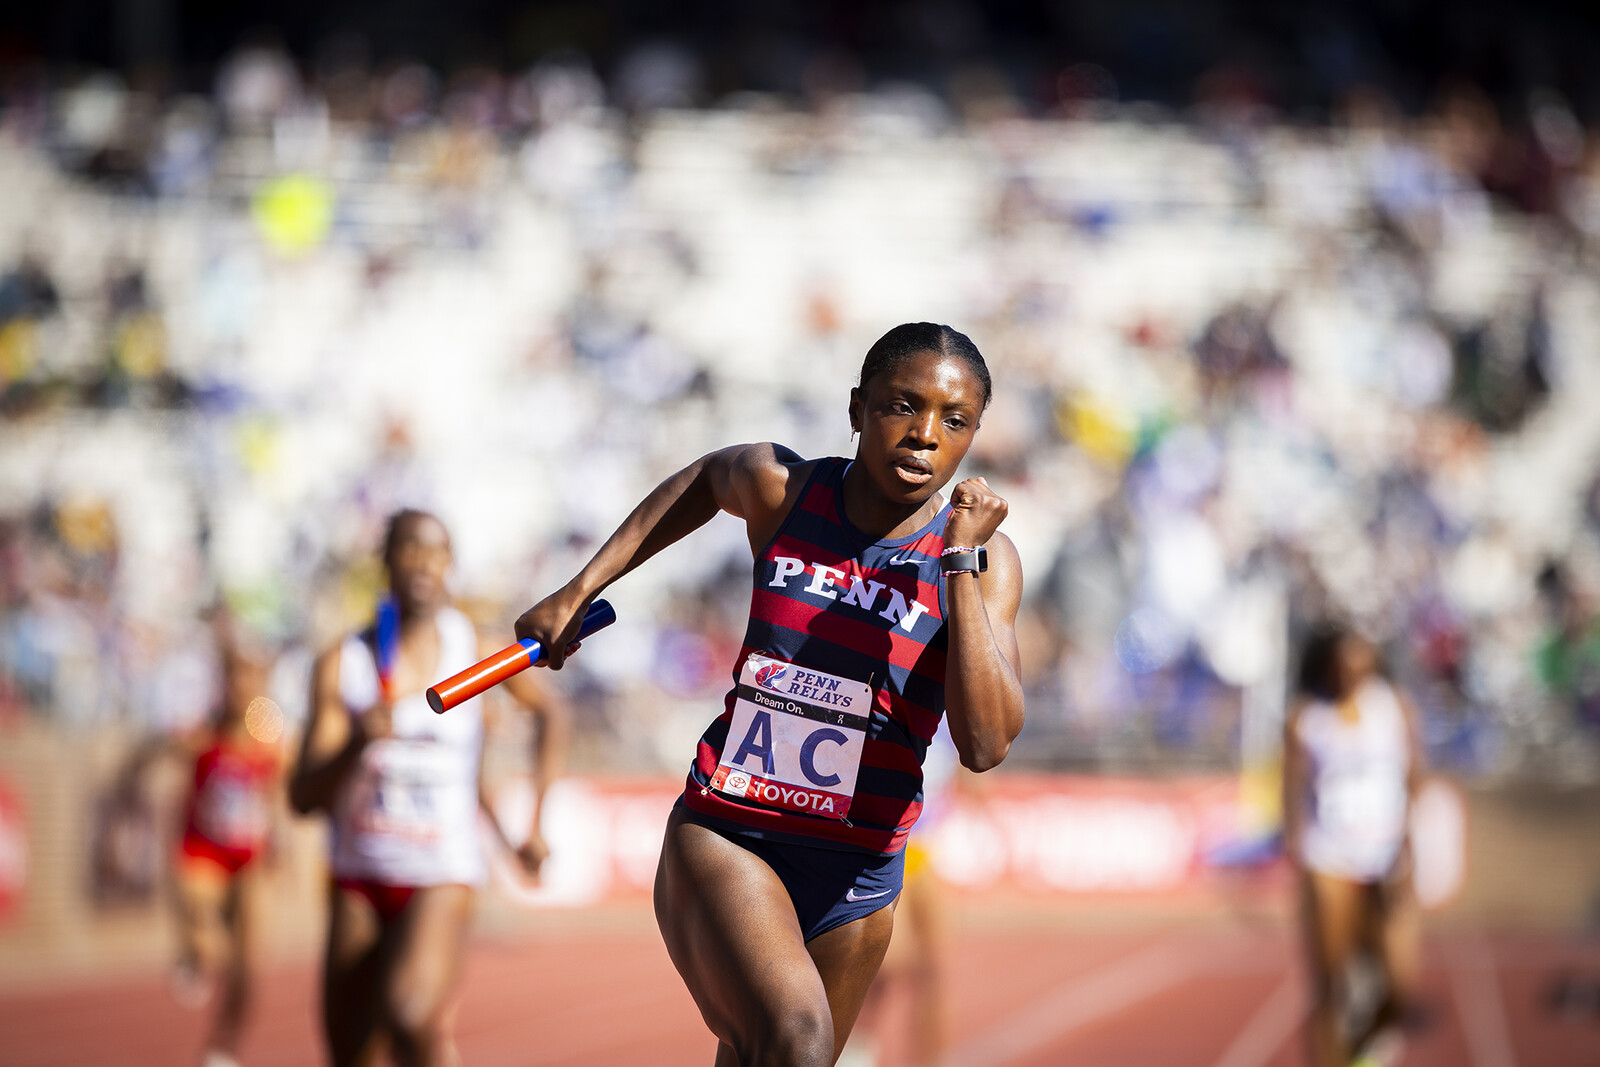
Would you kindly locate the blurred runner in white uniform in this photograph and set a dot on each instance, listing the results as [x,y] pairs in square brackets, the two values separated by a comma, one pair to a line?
[1352,763]
[407,815]
[401,786]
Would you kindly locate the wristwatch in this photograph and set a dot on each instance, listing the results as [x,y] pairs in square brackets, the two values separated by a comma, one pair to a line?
[957,560]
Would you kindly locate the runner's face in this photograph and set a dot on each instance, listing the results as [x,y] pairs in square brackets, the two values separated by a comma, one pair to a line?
[916,423]
[244,679]
[1357,662]
[418,561]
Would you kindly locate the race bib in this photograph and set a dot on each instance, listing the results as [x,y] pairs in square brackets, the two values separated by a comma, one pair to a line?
[231,813]
[796,738]
[1363,801]
[399,791]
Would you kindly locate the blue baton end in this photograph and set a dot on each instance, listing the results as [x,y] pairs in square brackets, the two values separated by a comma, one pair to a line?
[533,650]
[600,615]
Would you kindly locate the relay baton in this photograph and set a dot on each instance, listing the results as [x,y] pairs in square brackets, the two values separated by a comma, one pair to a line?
[510,660]
[387,640]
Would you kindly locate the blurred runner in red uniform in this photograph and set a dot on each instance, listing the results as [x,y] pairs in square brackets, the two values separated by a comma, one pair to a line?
[236,766]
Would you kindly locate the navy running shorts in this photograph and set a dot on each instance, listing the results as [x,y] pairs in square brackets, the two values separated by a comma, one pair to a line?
[828,887]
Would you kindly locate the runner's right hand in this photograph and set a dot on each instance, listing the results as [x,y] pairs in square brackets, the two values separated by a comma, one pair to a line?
[377,722]
[554,623]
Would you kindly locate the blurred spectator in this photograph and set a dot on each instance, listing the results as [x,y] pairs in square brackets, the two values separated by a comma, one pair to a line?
[1568,652]
[28,295]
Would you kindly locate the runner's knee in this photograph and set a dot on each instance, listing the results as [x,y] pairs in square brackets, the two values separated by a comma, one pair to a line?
[1326,985]
[413,1011]
[793,1038]
[414,1025]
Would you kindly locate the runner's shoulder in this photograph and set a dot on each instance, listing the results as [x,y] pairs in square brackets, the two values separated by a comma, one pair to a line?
[765,473]
[1003,550]
[764,458]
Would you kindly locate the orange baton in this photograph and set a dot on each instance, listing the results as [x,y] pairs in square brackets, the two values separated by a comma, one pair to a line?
[513,659]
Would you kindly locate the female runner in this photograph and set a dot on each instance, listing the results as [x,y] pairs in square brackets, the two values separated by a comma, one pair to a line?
[401,787]
[236,766]
[1352,765]
[871,616]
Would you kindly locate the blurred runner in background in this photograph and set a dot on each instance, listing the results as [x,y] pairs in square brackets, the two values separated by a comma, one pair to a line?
[1352,766]
[400,785]
[236,763]
[918,956]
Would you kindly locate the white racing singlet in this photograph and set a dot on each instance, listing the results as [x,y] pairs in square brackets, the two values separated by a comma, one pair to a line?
[1356,809]
[408,814]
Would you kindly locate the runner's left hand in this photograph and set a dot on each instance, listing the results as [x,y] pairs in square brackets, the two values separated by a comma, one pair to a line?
[532,854]
[976,512]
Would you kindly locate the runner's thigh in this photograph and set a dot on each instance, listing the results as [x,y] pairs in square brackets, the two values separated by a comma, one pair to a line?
[1399,940]
[242,914]
[731,931]
[351,969]
[1335,919]
[202,894]
[426,957]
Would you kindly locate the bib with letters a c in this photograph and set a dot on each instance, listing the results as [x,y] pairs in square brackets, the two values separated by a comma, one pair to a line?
[796,738]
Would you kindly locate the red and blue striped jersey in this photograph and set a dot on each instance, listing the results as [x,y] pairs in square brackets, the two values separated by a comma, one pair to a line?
[830,598]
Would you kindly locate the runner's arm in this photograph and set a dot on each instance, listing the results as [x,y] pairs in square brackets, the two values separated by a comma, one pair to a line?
[1416,774]
[331,744]
[186,746]
[752,482]
[1417,761]
[552,739]
[1295,784]
[983,672]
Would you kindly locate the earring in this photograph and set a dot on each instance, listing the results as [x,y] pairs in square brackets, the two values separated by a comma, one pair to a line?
[853,436]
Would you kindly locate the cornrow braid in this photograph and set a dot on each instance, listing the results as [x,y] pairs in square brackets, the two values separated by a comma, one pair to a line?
[897,346]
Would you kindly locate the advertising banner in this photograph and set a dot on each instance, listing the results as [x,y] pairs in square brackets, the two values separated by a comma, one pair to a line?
[1037,836]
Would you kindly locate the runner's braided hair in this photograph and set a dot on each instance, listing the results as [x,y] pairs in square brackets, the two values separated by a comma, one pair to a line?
[908,339]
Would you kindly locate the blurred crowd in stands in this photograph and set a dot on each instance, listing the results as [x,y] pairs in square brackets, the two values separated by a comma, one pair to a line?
[1249,371]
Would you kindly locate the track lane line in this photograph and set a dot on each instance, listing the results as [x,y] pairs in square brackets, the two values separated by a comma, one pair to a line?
[1269,1028]
[1479,1003]
[1079,1001]
[589,1027]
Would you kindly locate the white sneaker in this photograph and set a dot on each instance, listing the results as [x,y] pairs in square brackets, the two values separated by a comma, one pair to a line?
[1386,1048]
[191,987]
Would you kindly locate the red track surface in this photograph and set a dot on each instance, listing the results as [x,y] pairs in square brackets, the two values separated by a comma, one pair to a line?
[1212,996]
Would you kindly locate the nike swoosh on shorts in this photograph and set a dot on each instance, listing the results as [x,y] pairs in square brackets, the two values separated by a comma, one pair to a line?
[853,897]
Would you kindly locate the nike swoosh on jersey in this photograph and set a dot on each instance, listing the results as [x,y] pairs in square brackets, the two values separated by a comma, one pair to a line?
[900,561]
[853,897]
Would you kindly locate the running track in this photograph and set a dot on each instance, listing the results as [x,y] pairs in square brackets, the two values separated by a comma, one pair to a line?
[1213,995]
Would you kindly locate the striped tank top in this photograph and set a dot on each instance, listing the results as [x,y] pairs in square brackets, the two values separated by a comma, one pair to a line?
[830,600]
